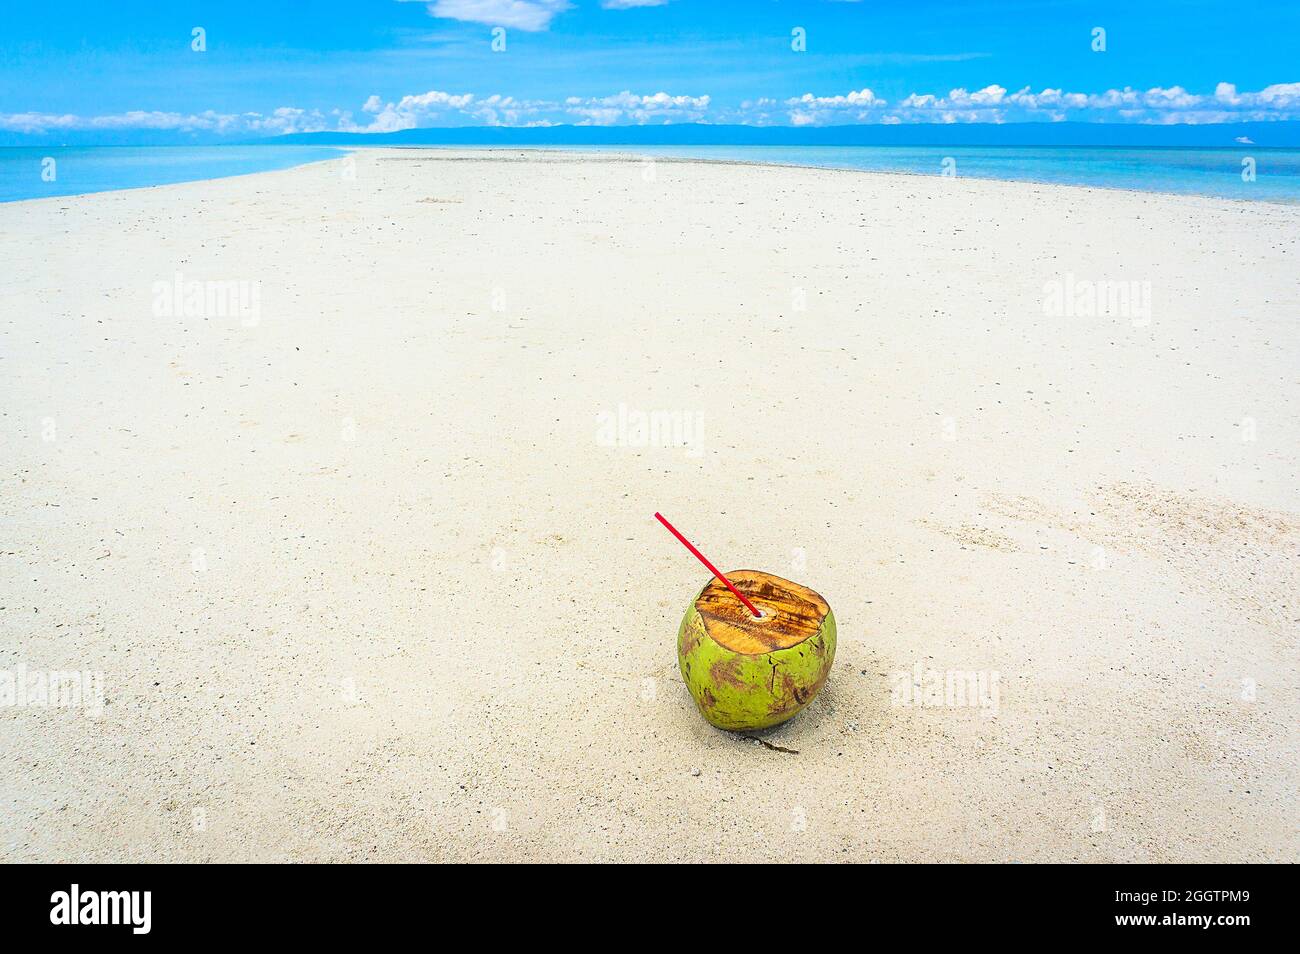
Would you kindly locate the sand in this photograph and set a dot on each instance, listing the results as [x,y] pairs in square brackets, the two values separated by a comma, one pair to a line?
[366,558]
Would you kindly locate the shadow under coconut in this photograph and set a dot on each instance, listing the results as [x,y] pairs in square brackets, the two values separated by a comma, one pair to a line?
[847,701]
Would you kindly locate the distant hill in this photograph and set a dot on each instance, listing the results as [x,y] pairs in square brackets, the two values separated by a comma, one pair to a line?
[1264,135]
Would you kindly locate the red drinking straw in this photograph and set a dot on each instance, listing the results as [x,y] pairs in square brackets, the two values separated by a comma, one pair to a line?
[712,569]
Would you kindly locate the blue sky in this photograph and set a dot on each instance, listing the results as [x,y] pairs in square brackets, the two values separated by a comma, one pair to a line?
[277,66]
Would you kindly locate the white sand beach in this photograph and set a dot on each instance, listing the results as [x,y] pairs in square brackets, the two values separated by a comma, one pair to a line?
[361,543]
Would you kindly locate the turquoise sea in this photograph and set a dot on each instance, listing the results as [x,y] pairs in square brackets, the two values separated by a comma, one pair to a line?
[1214,172]
[26,173]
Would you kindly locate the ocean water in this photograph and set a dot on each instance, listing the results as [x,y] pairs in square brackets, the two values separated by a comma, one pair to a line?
[1213,172]
[26,173]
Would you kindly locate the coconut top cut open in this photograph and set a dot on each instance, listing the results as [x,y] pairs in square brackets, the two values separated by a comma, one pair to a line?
[791,613]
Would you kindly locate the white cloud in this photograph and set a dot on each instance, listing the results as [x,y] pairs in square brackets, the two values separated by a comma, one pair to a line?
[1052,99]
[412,112]
[810,110]
[39,122]
[862,97]
[1175,97]
[529,15]
[628,106]
[286,119]
[1279,95]
[991,104]
[439,108]
[988,96]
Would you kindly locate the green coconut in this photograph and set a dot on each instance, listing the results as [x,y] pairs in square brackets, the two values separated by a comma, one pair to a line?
[753,673]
